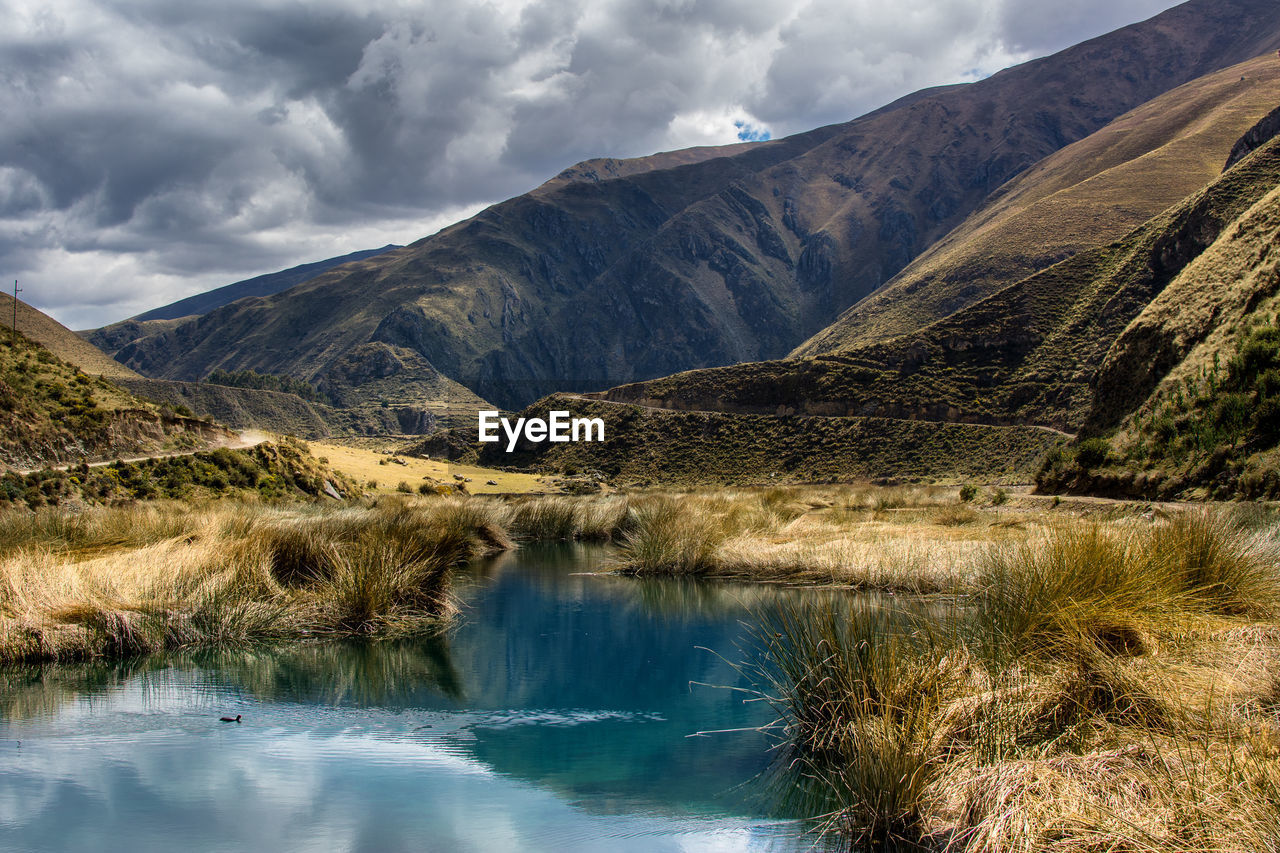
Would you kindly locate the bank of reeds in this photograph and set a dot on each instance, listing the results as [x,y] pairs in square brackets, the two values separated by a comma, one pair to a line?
[1103,688]
[115,583]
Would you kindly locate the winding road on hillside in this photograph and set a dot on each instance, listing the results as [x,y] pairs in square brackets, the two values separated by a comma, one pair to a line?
[586,399]
[248,438]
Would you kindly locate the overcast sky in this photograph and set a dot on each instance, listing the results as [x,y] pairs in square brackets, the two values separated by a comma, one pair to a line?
[153,149]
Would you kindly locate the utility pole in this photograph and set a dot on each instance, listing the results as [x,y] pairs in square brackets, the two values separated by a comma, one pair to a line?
[16,291]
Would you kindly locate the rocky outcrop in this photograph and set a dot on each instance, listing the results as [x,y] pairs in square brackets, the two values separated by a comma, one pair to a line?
[1260,134]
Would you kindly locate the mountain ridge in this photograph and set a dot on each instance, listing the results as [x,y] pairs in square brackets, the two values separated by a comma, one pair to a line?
[733,258]
[1084,195]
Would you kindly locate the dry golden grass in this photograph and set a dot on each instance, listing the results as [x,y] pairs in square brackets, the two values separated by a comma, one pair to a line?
[231,574]
[364,466]
[1089,683]
[907,538]
[1101,687]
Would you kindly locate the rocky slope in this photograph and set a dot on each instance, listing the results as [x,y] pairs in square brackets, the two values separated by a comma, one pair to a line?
[1202,361]
[625,270]
[1029,354]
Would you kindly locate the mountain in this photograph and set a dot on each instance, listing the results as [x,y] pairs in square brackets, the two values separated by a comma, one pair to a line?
[624,270]
[1028,354]
[111,339]
[262,285]
[1162,349]
[1086,195]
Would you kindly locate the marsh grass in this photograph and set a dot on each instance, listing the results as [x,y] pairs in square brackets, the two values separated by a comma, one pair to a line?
[546,519]
[909,539]
[666,537]
[236,574]
[857,690]
[1118,586]
[96,527]
[1212,559]
[1101,687]
[1084,684]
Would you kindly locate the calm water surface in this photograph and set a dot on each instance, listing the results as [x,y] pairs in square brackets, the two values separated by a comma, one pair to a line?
[562,713]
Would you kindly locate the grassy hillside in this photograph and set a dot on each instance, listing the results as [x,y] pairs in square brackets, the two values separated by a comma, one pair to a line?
[647,446]
[61,341]
[1087,195]
[53,413]
[58,424]
[596,279]
[271,471]
[1203,362]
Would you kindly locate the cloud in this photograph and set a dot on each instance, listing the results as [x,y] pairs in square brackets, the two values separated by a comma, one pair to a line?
[152,149]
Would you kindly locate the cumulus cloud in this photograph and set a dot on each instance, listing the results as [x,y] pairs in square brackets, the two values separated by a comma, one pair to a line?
[153,149]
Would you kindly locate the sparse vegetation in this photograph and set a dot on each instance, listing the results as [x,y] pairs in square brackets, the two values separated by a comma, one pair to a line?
[274,470]
[266,382]
[52,412]
[1215,430]
[717,448]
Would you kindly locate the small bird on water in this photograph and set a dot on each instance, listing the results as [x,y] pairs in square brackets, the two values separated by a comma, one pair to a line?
[234,719]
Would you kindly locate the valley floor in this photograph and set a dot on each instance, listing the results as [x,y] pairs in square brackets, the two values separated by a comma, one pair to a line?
[375,465]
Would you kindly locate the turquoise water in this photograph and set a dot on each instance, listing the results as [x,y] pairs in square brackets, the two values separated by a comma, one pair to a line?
[561,713]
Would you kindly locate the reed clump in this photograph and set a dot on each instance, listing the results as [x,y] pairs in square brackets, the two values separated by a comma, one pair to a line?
[857,698]
[546,519]
[666,536]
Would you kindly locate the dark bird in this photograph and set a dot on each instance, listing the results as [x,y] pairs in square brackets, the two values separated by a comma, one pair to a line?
[234,719]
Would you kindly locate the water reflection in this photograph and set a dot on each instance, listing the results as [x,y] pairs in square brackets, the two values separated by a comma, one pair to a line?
[556,715]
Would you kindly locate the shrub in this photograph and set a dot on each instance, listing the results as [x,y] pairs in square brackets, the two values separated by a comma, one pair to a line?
[968,492]
[1092,452]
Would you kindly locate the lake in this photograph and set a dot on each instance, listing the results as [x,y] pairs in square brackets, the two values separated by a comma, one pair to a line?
[564,710]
